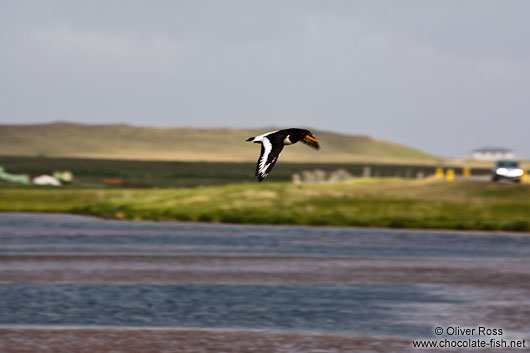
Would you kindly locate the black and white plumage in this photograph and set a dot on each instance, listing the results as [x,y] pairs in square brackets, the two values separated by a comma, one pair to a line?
[272,144]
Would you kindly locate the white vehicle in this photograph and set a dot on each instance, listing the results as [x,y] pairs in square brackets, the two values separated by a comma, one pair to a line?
[507,169]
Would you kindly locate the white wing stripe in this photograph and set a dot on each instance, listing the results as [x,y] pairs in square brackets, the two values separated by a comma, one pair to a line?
[267,148]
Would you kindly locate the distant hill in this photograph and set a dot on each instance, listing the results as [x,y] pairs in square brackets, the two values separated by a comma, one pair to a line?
[121,141]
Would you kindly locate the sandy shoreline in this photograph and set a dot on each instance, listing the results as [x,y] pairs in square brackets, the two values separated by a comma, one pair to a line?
[89,340]
[262,269]
[165,340]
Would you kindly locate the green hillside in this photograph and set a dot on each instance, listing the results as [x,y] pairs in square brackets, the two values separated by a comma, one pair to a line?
[187,144]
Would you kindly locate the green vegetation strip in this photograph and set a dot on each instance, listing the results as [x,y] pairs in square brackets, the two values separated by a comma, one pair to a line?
[362,202]
[89,173]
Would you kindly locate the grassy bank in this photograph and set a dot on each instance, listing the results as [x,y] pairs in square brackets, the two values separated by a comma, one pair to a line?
[362,202]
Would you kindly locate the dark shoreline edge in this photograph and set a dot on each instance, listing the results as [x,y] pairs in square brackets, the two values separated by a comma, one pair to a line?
[473,232]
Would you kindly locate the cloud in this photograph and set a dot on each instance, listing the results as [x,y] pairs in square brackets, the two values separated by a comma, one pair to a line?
[415,72]
[66,49]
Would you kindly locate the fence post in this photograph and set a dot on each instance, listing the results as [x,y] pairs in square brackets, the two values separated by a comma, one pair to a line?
[450,175]
[366,172]
[525,179]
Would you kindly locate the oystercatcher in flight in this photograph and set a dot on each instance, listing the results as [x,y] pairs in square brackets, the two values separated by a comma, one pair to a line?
[272,144]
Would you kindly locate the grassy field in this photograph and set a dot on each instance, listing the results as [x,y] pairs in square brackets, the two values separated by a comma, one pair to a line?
[190,144]
[383,202]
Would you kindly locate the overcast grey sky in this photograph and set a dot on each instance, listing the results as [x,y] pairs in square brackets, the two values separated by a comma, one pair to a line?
[442,76]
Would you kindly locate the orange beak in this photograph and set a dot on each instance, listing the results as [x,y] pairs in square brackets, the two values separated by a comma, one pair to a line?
[311,138]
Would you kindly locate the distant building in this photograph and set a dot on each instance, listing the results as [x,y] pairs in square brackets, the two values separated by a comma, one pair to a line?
[492,154]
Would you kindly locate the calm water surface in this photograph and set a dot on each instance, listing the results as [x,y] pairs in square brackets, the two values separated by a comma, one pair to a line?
[37,233]
[378,309]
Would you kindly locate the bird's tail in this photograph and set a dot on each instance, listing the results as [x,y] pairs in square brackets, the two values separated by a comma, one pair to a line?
[251,138]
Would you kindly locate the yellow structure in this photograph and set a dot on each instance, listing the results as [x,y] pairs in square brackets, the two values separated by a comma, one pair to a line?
[439,173]
[466,172]
[450,175]
[525,179]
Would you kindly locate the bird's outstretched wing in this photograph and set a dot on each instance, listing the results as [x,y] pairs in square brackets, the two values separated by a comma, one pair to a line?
[267,159]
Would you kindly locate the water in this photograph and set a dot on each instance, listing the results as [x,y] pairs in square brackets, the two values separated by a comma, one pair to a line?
[26,233]
[353,308]
[74,271]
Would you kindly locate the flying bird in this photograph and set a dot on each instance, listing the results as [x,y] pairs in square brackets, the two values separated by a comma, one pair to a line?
[272,144]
